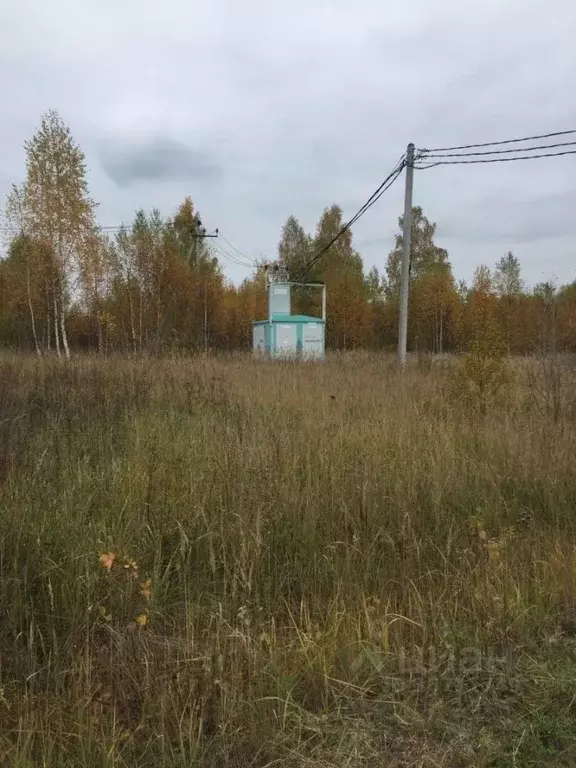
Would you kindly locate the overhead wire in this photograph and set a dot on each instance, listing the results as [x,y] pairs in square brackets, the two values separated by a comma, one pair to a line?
[117,227]
[304,271]
[506,141]
[428,153]
[239,252]
[235,260]
[491,160]
[232,260]
[388,181]
[246,261]
[374,197]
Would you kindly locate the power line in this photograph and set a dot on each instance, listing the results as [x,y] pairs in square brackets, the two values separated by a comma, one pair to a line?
[495,159]
[233,259]
[112,228]
[424,153]
[386,184]
[506,141]
[368,204]
[244,256]
[381,189]
[374,197]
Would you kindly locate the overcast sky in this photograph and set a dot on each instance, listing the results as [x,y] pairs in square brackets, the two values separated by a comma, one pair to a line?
[263,108]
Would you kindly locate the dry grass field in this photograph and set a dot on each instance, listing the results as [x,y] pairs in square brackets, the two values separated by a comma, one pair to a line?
[220,562]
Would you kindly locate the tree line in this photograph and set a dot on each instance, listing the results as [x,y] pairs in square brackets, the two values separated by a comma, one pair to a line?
[157,286]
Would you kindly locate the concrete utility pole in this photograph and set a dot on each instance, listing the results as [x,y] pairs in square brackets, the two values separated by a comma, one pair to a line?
[406,243]
[199,233]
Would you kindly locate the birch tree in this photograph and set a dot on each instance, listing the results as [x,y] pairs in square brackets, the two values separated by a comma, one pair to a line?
[97,266]
[508,284]
[59,210]
[17,221]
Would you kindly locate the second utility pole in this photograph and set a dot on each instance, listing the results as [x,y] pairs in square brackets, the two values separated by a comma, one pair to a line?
[406,243]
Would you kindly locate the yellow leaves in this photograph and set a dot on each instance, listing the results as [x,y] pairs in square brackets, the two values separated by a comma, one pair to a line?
[127,589]
[146,589]
[107,560]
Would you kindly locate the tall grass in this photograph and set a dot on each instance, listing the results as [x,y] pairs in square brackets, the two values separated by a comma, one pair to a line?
[220,562]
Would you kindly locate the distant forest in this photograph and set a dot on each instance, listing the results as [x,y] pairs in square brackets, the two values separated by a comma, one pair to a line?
[157,286]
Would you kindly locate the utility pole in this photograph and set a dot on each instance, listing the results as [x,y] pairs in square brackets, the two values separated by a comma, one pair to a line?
[199,233]
[406,243]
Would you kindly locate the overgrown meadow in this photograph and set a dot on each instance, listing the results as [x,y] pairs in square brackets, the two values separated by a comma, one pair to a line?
[223,562]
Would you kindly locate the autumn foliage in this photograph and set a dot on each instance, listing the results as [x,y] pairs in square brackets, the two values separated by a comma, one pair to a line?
[157,286]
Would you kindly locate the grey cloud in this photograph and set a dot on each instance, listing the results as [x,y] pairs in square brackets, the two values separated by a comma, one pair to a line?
[159,159]
[526,221]
[304,104]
